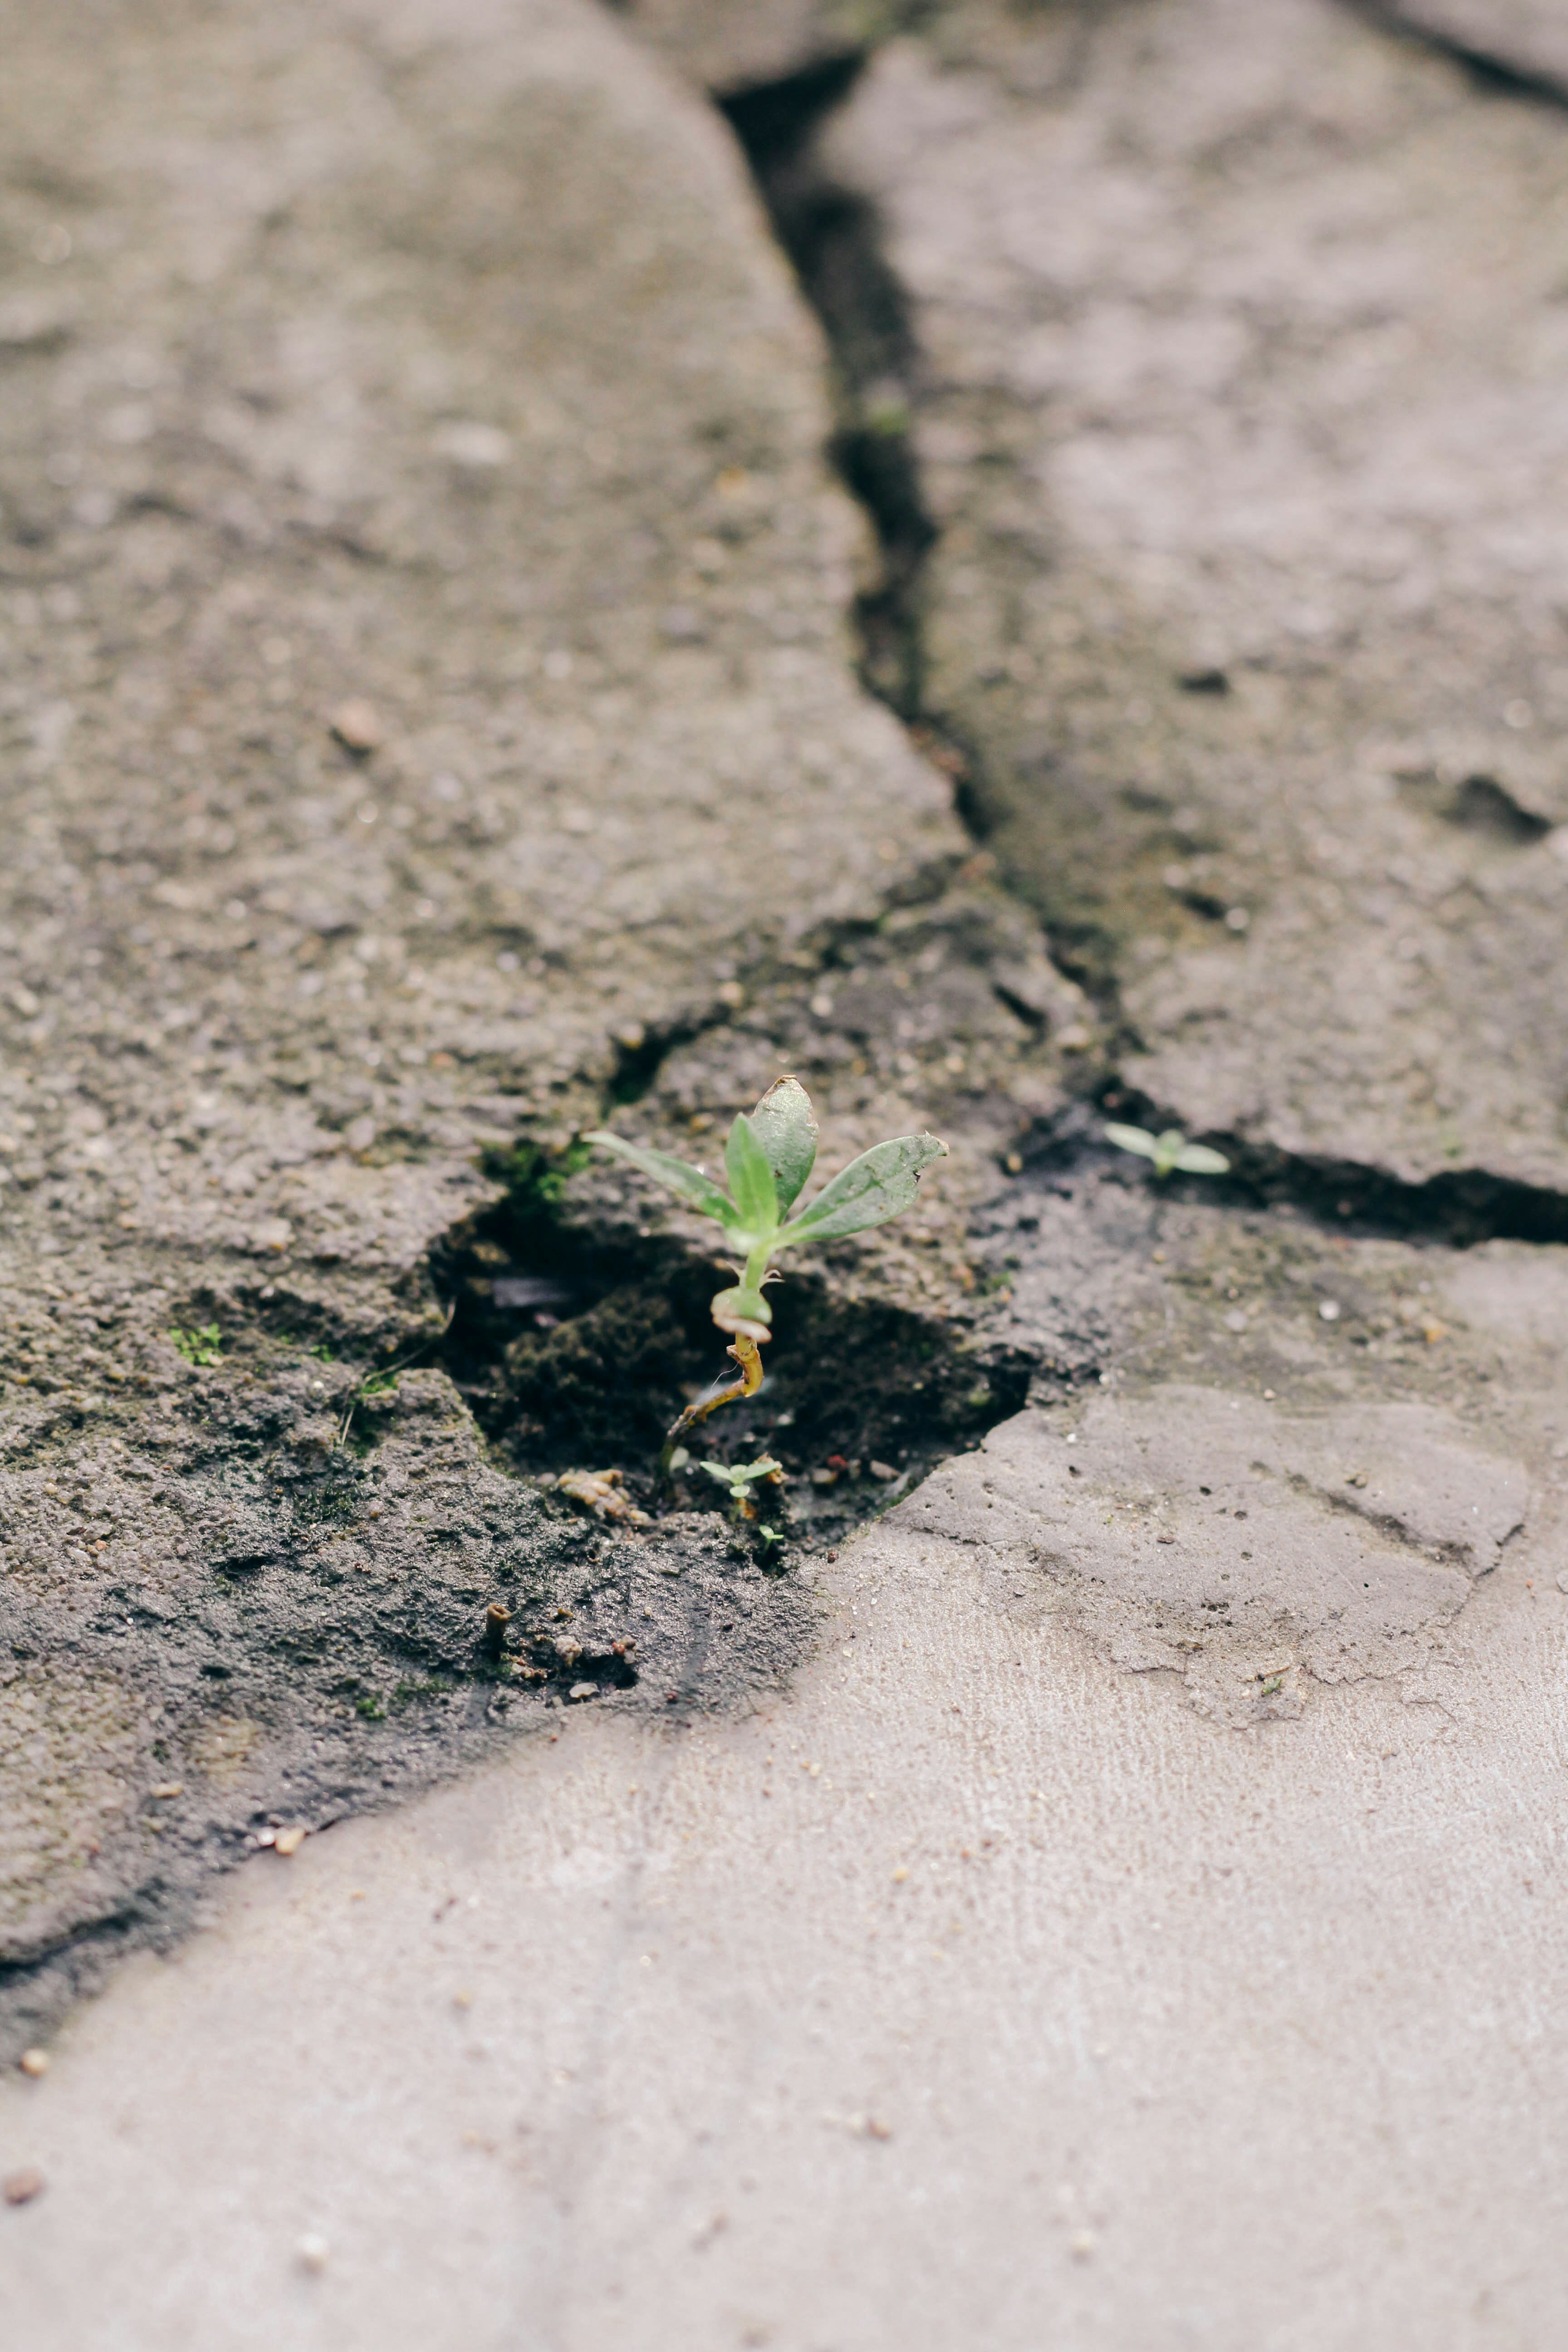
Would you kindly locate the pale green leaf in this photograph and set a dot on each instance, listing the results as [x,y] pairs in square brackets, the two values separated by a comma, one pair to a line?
[1197,1160]
[868,1192]
[676,1176]
[741,1474]
[785,1127]
[756,1209]
[1133,1139]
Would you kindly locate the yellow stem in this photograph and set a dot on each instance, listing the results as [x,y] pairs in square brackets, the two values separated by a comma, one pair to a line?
[745,1353]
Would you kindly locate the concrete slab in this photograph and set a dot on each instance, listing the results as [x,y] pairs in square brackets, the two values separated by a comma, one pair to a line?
[1231,396]
[428,673]
[979,1991]
[1115,1898]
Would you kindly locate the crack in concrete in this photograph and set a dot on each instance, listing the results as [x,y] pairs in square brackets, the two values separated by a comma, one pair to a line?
[1488,68]
[835,242]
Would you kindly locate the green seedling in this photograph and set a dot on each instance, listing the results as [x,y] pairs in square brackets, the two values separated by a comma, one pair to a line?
[770,1537]
[738,1478]
[202,1345]
[1169,1151]
[769,1155]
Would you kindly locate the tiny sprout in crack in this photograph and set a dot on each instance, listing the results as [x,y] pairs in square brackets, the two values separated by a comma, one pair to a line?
[769,1154]
[1169,1151]
[738,1478]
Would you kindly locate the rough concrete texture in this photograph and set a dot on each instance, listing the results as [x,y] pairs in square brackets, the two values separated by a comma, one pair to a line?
[1065,1908]
[1190,1514]
[1236,405]
[731,45]
[437,362]
[975,1993]
[1525,37]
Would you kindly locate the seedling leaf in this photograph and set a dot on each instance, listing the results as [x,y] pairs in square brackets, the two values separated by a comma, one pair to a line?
[869,1191]
[1197,1160]
[1168,1150]
[785,1127]
[738,1475]
[676,1175]
[1132,1138]
[750,1180]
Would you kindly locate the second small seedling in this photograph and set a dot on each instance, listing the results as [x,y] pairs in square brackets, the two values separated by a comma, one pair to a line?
[738,1478]
[1169,1151]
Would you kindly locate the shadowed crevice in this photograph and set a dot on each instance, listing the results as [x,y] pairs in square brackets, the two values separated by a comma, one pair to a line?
[1488,69]
[834,239]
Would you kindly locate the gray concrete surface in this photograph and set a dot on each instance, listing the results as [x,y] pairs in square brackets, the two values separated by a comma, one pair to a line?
[439,361]
[1525,37]
[981,1992]
[1195,403]
[728,44]
[1103,1889]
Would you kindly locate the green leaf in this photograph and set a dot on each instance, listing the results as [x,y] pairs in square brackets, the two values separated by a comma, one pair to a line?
[750,1180]
[1197,1160]
[785,1127]
[744,1311]
[1133,1139]
[676,1175]
[741,1474]
[869,1191]
[1169,1150]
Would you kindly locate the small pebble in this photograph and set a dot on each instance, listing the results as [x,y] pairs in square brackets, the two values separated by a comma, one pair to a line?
[290,1841]
[20,2187]
[34,2062]
[357,726]
[1329,1310]
[583,1690]
[168,1788]
[313,2253]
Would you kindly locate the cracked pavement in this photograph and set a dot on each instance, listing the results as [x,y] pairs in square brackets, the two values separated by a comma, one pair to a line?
[1107,1878]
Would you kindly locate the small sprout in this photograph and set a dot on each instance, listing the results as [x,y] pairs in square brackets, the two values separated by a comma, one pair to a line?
[770,1537]
[738,1477]
[201,1346]
[768,1157]
[1169,1151]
